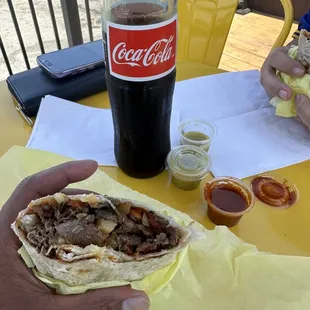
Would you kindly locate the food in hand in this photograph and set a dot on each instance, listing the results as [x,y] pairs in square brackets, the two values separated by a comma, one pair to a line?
[303,54]
[91,238]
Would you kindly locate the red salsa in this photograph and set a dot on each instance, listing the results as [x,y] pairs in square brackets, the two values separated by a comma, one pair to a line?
[228,199]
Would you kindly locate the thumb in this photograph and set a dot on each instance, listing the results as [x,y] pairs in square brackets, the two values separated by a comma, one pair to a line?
[303,108]
[114,298]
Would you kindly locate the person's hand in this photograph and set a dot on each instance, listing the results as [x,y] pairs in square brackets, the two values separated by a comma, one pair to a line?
[279,60]
[303,109]
[19,289]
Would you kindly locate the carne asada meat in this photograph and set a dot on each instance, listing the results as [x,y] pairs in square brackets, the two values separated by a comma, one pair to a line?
[120,226]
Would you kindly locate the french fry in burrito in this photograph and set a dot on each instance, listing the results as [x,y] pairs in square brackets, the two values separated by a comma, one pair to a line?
[83,239]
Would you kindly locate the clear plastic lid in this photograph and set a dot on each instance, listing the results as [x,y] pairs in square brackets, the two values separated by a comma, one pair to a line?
[274,190]
[188,162]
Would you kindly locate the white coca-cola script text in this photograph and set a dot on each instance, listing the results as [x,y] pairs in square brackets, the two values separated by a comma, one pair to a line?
[160,51]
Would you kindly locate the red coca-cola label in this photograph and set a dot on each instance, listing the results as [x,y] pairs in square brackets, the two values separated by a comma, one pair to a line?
[142,53]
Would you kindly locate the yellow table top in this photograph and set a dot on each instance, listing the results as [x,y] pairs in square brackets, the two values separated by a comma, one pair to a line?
[271,230]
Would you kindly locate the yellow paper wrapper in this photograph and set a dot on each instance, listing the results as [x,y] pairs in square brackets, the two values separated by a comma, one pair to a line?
[298,85]
[219,272]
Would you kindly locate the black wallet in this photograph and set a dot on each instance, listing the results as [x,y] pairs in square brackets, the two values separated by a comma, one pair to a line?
[30,86]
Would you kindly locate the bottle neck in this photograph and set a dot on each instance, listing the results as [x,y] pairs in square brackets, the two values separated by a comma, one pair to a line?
[140,12]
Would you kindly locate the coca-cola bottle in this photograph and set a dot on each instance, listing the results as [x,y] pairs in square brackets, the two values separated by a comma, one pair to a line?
[139,38]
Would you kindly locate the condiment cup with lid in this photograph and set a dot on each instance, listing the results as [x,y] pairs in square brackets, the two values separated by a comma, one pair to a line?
[187,166]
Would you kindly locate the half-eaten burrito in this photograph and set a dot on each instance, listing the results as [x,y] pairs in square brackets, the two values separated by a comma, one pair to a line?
[303,54]
[91,238]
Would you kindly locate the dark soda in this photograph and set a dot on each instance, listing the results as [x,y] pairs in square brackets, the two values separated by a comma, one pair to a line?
[141,105]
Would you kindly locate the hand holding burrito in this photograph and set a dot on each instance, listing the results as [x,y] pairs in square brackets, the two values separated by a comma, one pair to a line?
[277,61]
[286,107]
[18,287]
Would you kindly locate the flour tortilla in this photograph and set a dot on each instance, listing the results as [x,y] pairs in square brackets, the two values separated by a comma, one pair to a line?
[303,54]
[79,266]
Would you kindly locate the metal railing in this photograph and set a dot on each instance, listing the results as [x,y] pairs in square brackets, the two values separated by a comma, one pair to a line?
[72,23]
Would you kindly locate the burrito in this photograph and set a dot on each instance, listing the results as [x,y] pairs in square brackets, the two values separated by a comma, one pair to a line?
[303,54]
[83,239]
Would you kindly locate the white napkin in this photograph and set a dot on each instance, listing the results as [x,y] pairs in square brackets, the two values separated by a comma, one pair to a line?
[257,142]
[220,96]
[250,139]
[80,132]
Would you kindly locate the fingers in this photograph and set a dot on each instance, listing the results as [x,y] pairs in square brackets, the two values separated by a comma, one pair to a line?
[303,109]
[47,182]
[279,60]
[273,86]
[55,179]
[116,298]
[136,303]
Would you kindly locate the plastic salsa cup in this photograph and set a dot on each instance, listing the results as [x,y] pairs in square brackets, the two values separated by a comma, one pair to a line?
[197,132]
[228,199]
[187,166]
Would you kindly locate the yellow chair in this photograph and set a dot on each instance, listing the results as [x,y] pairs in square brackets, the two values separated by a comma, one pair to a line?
[203,29]
[288,22]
